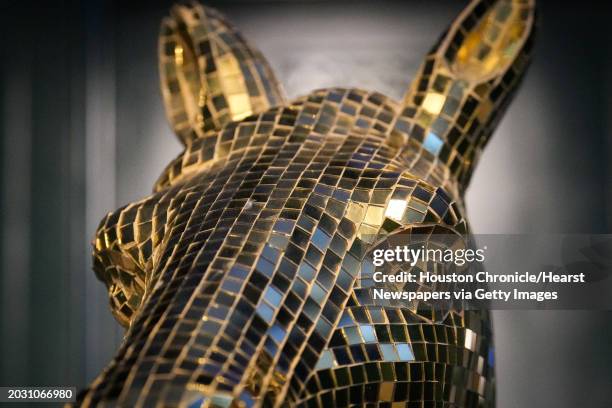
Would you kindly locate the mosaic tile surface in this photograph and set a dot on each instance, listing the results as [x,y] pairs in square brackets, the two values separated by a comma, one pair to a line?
[238,279]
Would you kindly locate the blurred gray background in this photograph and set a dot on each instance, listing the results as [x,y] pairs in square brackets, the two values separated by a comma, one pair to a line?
[83,131]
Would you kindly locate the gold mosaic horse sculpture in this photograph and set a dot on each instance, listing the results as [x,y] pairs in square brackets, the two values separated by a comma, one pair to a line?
[236,279]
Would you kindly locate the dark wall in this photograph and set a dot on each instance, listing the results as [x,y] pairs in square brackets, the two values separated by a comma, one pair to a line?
[42,194]
[83,131]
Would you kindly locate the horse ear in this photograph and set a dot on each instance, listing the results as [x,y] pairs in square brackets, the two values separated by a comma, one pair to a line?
[487,39]
[209,74]
[465,83]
